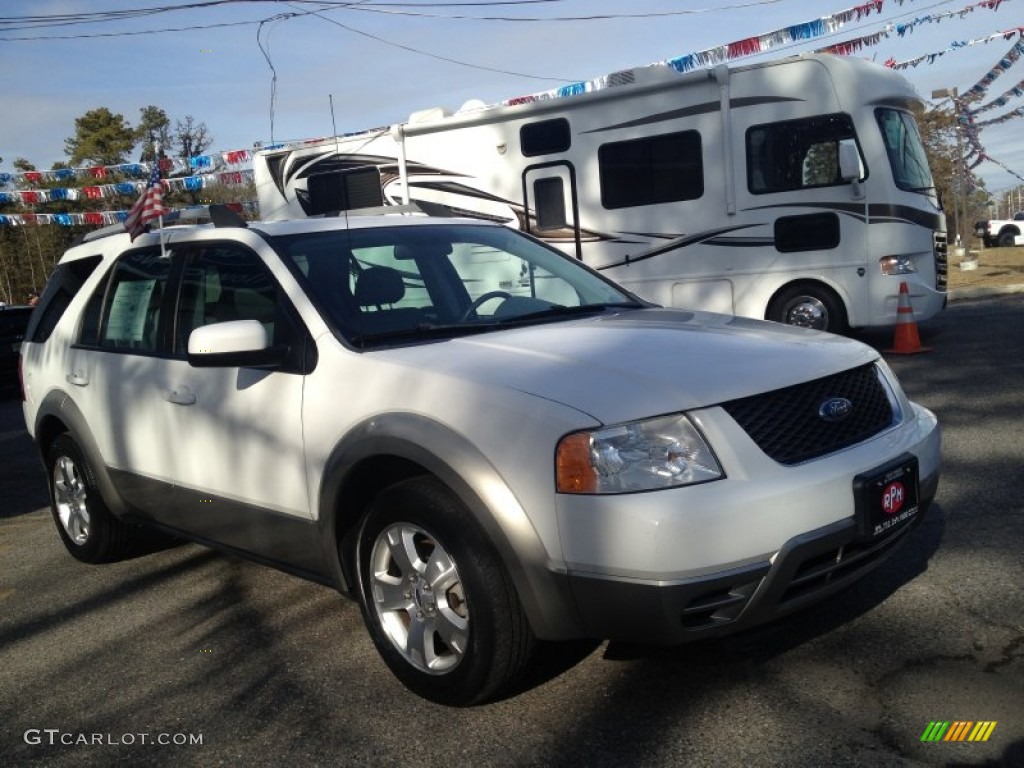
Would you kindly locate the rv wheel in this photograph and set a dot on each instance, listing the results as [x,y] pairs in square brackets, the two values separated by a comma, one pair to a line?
[809,306]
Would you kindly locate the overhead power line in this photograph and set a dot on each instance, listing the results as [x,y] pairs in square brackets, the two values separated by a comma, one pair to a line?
[39,22]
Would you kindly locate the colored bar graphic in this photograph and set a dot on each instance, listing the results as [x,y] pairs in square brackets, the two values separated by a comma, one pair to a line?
[982,731]
[958,730]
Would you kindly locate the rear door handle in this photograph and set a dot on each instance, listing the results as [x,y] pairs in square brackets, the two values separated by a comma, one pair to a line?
[78,378]
[183,396]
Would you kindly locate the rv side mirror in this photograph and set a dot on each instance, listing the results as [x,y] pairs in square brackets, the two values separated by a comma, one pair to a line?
[849,160]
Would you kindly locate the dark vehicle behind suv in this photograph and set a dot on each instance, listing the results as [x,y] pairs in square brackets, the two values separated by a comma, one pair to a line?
[13,322]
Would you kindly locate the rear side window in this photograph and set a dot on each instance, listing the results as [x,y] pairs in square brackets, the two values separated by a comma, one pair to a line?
[128,315]
[658,169]
[61,288]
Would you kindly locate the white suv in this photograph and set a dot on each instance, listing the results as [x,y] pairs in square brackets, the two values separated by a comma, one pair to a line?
[477,437]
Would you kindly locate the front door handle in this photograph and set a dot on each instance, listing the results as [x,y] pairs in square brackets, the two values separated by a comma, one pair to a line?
[183,396]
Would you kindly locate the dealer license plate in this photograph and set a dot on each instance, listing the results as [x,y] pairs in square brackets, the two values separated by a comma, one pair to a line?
[886,498]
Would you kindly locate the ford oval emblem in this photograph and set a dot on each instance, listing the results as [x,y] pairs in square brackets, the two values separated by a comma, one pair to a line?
[835,409]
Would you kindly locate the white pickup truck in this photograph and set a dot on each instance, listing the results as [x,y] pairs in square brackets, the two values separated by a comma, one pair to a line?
[997,233]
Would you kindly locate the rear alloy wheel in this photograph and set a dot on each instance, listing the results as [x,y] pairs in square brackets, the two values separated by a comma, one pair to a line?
[1007,239]
[809,306]
[88,529]
[439,605]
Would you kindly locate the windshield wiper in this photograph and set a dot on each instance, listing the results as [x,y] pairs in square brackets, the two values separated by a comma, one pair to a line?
[581,309]
[424,331]
[452,330]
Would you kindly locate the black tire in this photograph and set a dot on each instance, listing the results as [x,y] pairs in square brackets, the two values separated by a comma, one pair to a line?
[1007,239]
[86,525]
[809,305]
[460,638]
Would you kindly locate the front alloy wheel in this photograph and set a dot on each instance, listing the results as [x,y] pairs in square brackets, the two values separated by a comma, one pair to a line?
[419,598]
[436,598]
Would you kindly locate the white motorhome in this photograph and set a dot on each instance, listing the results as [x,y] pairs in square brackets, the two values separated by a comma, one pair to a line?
[796,190]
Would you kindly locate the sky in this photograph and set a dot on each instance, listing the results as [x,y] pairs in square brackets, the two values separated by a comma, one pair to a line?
[379,61]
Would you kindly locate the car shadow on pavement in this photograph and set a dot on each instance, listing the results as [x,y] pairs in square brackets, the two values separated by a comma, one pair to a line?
[1012,756]
[22,479]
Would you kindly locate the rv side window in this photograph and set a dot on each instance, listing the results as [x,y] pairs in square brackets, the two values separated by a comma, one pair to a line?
[658,169]
[549,197]
[809,232]
[545,138]
[796,154]
[344,190]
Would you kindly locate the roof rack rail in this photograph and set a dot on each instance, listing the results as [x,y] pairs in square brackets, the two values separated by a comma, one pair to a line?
[223,216]
[419,207]
[99,234]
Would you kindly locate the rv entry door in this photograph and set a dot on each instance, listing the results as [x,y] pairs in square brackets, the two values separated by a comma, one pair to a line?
[552,210]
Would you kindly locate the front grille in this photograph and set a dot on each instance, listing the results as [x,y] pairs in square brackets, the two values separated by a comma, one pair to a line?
[941,261]
[786,425]
[819,572]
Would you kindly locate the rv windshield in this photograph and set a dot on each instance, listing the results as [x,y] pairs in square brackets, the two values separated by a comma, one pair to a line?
[906,152]
[417,282]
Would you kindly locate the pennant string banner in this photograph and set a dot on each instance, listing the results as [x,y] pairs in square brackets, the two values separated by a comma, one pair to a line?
[124,188]
[223,167]
[92,218]
[141,171]
[1003,100]
[955,46]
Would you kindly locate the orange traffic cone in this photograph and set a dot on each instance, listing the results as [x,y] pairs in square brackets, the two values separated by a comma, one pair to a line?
[906,340]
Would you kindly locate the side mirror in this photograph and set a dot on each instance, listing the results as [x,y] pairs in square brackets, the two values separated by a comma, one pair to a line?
[234,344]
[850,167]
[849,160]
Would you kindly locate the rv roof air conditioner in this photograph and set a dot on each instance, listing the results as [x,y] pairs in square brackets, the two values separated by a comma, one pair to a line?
[429,115]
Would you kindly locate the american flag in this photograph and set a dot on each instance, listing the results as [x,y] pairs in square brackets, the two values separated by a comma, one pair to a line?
[149,206]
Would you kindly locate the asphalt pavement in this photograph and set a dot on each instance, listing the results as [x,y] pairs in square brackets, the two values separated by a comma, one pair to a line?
[187,657]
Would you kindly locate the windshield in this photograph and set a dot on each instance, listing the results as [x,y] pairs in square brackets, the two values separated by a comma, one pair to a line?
[410,283]
[906,152]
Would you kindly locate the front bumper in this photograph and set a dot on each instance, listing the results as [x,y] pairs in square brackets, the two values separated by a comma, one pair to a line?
[807,568]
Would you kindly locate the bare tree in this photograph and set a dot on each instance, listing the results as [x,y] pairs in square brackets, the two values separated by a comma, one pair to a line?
[191,138]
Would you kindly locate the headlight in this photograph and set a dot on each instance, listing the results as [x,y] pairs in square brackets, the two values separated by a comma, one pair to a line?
[665,452]
[897,265]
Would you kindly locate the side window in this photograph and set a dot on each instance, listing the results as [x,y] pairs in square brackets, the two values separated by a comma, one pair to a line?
[545,137]
[61,288]
[129,304]
[657,169]
[549,195]
[796,154]
[228,282]
[809,232]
